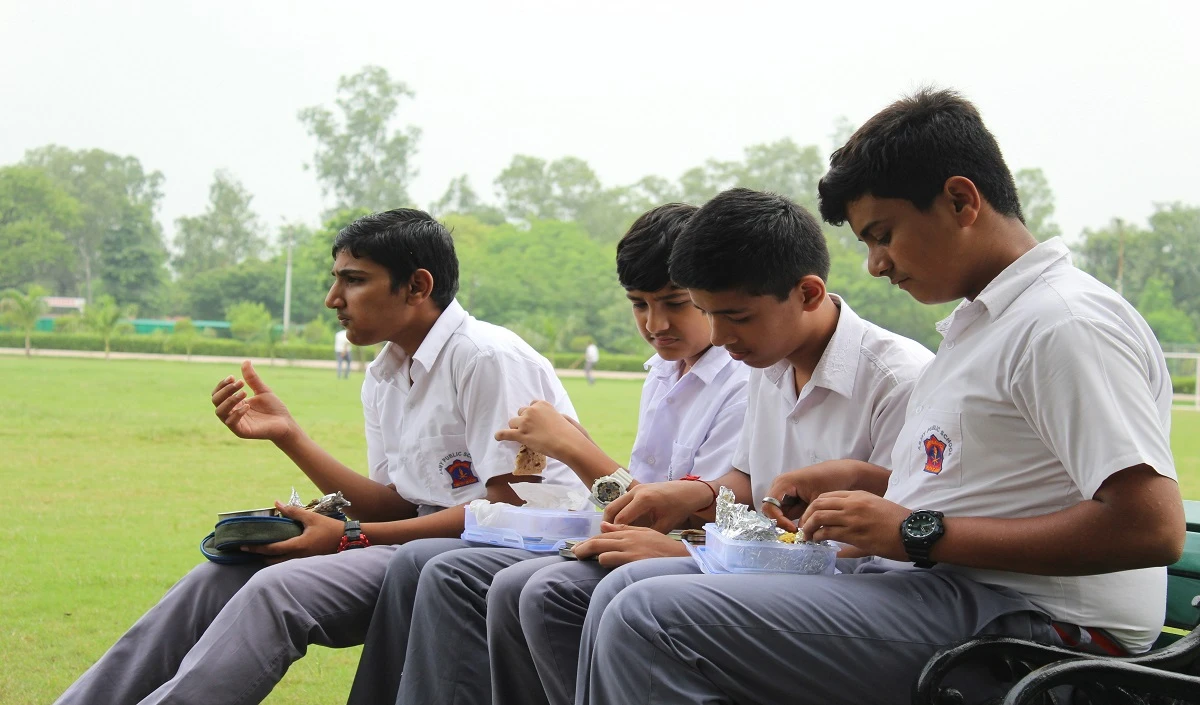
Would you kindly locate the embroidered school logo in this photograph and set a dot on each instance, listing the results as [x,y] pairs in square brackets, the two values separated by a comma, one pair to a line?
[937,445]
[460,469]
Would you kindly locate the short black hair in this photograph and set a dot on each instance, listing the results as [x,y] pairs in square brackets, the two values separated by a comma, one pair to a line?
[753,241]
[910,149]
[645,250]
[405,240]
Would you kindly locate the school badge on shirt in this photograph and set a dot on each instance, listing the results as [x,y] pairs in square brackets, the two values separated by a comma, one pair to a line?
[937,446]
[458,465]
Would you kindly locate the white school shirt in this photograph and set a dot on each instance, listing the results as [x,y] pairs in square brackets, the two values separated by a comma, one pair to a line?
[434,439]
[689,424]
[852,407]
[1043,386]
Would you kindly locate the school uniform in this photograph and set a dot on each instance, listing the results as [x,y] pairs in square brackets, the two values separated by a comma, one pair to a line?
[1044,385]
[689,424]
[226,634]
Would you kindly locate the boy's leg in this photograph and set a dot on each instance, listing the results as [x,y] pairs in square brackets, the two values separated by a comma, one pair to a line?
[270,622]
[604,593]
[799,639]
[447,659]
[149,654]
[514,676]
[382,659]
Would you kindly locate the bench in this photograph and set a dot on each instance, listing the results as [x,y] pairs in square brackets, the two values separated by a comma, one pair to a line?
[1168,673]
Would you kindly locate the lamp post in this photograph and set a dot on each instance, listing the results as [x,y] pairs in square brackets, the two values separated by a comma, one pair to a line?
[290,233]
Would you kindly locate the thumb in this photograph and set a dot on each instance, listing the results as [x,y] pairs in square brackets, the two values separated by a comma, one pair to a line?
[608,526]
[253,380]
[770,511]
[294,513]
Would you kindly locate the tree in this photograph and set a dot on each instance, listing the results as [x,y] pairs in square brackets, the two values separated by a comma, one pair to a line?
[104,317]
[1037,203]
[35,215]
[461,199]
[228,232]
[360,159]
[184,336]
[211,293]
[1157,306]
[117,240]
[249,321]
[22,311]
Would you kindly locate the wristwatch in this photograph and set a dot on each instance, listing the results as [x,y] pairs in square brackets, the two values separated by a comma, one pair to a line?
[919,532]
[353,538]
[607,489]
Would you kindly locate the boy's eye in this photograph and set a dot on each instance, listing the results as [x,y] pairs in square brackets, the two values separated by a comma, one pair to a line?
[678,304]
[886,238]
[739,320]
[639,306]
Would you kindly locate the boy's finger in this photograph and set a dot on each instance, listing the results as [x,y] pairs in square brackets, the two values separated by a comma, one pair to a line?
[253,379]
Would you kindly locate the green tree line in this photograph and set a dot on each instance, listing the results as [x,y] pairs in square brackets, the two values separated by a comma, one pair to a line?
[537,255]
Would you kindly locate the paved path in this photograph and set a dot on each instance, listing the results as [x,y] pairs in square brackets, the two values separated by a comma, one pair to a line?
[262,361]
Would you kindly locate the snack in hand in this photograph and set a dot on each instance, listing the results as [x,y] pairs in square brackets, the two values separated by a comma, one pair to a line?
[529,462]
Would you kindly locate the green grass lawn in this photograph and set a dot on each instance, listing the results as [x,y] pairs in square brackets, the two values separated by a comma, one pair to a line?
[113,472]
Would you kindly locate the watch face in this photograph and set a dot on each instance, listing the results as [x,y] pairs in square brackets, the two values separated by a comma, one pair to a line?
[608,491]
[921,525]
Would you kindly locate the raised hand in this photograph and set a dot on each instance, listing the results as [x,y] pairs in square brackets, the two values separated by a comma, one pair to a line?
[261,416]
[619,544]
[544,429]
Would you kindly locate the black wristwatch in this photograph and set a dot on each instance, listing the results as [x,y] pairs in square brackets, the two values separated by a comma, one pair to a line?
[353,538]
[919,532]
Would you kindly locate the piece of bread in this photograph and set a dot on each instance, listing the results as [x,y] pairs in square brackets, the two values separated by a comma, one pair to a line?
[529,462]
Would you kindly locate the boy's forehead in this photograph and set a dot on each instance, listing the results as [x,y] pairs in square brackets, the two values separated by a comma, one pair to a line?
[667,292]
[346,260]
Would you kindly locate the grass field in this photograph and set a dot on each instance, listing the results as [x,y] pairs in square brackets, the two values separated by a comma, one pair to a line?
[113,471]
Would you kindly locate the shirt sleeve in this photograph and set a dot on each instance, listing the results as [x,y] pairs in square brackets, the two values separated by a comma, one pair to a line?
[714,458]
[377,463]
[494,386]
[1084,386]
[741,456]
[887,422]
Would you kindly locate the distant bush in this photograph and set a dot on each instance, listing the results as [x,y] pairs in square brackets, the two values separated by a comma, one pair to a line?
[1184,385]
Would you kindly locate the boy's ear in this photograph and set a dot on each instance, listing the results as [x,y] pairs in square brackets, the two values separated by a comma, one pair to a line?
[420,286]
[810,290]
[962,194]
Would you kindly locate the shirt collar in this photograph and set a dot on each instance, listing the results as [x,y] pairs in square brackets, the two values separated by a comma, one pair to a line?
[393,358]
[838,366]
[706,368]
[1002,291]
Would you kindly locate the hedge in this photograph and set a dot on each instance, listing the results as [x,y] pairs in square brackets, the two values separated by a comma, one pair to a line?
[1184,385]
[165,344]
[225,347]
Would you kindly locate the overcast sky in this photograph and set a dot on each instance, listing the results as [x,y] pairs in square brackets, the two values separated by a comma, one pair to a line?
[1104,96]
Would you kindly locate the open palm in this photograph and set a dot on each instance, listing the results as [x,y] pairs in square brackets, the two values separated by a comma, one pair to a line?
[261,416]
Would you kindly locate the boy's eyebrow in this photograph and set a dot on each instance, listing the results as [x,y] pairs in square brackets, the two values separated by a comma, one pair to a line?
[347,271]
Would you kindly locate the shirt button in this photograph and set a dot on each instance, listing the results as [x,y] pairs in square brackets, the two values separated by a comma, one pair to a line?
[795,419]
[650,460]
[670,401]
[950,345]
[919,408]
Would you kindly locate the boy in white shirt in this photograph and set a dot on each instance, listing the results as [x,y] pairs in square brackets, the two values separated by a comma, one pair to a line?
[432,400]
[826,385]
[1031,491]
[692,405]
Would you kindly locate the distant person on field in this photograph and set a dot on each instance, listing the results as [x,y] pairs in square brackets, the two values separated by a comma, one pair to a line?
[432,399]
[341,348]
[591,355]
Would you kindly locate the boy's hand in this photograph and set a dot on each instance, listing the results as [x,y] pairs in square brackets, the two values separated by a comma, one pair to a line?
[795,489]
[864,520]
[321,536]
[544,429]
[262,416]
[619,544]
[662,506]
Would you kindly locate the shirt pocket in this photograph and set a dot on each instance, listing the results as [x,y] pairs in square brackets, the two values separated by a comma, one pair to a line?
[937,448]
[448,467]
[683,459]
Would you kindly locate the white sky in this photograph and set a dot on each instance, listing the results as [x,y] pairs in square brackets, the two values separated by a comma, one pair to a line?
[1104,96]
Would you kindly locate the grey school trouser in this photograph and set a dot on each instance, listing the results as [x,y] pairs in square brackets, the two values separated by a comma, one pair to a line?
[226,634]
[660,632]
[459,594]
